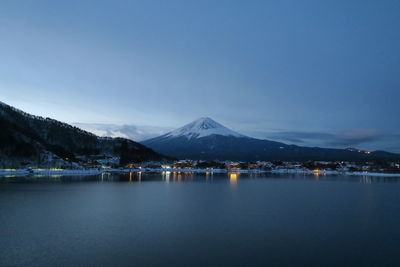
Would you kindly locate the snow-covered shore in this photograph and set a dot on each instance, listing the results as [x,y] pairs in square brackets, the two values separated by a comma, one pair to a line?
[70,172]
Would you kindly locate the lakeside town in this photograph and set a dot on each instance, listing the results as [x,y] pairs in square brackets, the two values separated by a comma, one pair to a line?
[99,164]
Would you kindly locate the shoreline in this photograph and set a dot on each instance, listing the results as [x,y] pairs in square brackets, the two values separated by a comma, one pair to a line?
[50,172]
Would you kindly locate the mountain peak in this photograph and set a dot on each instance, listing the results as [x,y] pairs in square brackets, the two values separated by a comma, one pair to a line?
[204,123]
[202,127]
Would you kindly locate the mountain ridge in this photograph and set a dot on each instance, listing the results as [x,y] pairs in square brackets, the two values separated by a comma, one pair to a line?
[184,143]
[26,140]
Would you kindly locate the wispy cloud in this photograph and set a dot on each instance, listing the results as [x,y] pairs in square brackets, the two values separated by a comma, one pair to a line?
[134,132]
[356,137]
[364,138]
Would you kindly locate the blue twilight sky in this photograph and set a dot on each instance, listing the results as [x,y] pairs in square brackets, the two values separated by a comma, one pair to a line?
[304,72]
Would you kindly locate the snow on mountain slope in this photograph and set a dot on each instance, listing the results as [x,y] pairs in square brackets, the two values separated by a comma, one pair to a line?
[200,128]
[205,139]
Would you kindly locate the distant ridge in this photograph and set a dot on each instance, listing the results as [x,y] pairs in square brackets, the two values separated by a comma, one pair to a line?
[207,139]
[28,140]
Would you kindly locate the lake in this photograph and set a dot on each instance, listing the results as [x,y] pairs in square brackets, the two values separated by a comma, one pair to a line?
[183,219]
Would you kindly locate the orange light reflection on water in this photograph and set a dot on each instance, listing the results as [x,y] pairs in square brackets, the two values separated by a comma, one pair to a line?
[233,178]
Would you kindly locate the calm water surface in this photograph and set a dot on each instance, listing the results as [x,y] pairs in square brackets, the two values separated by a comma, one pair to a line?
[199,220]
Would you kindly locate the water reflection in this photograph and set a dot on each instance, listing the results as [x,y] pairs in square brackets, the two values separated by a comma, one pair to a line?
[176,176]
[233,219]
[166,176]
[233,178]
[208,177]
[105,176]
[253,175]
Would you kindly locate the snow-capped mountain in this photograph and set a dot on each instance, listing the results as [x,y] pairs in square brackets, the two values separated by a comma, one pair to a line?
[202,127]
[209,140]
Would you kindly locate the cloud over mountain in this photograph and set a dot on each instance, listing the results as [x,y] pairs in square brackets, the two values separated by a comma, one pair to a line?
[366,138]
[133,132]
